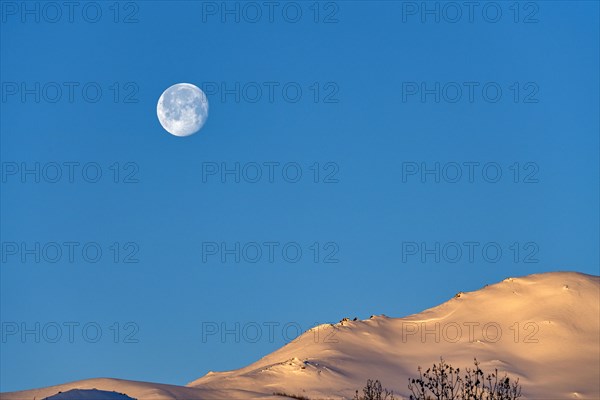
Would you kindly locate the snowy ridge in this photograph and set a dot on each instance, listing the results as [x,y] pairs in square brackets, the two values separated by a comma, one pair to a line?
[543,329]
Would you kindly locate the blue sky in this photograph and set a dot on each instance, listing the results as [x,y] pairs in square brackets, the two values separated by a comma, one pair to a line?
[379,104]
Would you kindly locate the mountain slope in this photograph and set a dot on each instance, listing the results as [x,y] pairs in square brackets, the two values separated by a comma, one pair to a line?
[543,329]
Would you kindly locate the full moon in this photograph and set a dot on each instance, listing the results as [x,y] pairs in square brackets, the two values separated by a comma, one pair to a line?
[182,109]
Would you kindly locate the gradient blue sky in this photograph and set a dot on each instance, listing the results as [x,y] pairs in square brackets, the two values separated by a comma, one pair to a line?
[370,134]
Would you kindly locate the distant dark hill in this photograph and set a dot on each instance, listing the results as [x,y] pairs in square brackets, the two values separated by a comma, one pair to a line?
[91,394]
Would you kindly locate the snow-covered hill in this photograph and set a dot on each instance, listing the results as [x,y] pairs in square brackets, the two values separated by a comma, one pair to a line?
[543,329]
